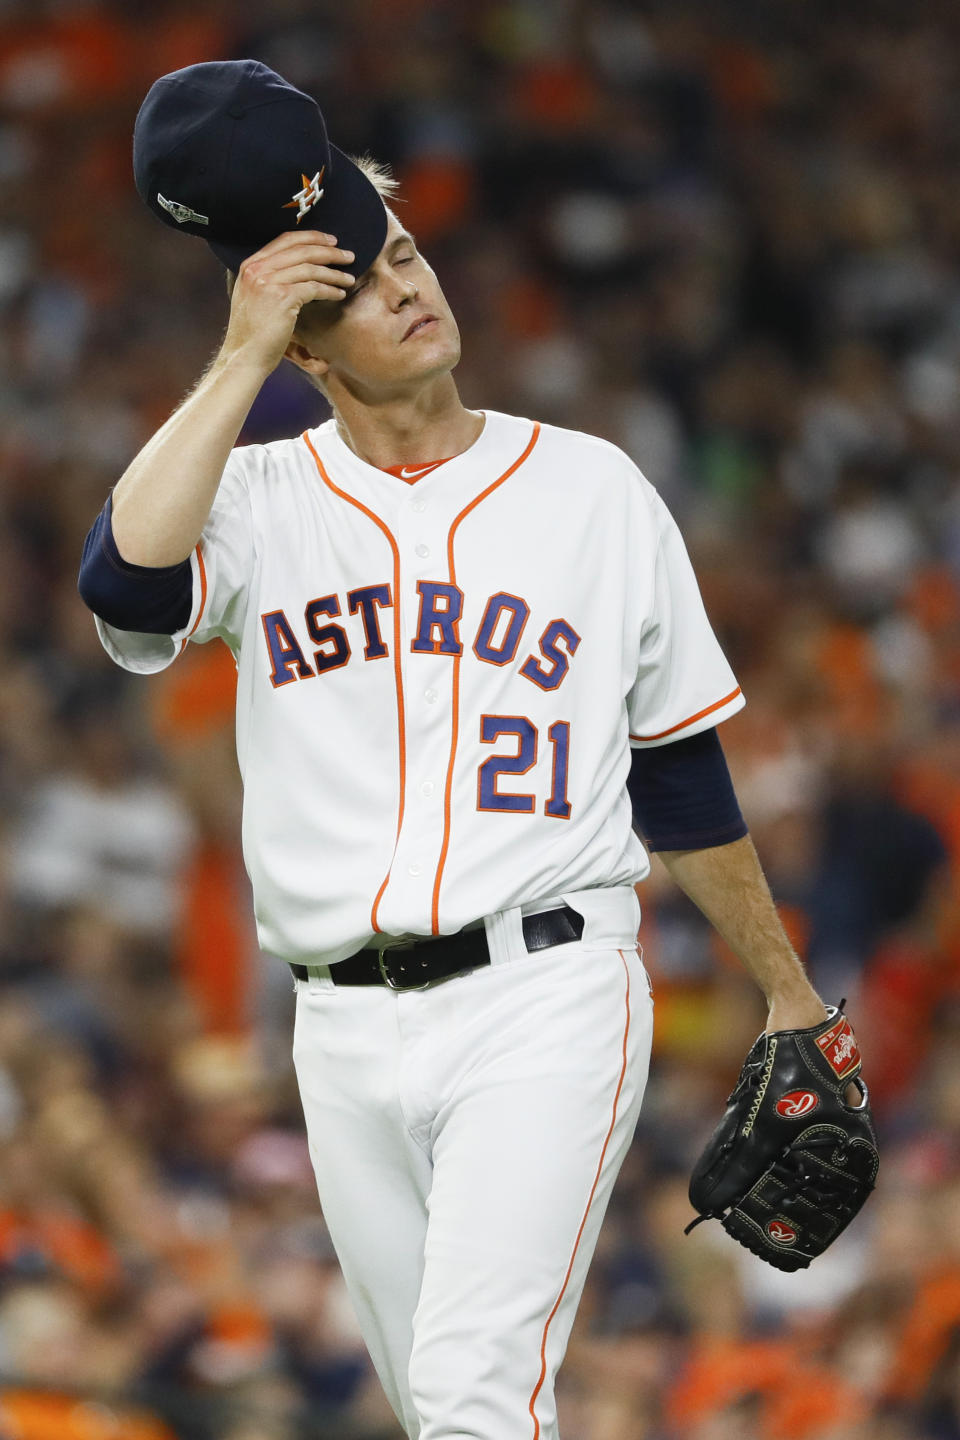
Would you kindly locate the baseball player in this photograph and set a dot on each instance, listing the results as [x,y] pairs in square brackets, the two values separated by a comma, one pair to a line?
[464,641]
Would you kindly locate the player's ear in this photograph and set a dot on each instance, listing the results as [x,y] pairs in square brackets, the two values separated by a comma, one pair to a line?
[303,357]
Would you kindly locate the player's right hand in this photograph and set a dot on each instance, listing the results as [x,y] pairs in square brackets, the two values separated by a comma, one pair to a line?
[271,288]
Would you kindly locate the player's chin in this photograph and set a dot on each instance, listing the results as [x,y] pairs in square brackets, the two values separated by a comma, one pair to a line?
[434,356]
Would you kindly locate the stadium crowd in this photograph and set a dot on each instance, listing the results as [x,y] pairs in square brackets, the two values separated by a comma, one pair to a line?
[724,236]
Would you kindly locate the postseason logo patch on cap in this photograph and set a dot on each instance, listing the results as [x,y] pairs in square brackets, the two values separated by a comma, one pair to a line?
[181,213]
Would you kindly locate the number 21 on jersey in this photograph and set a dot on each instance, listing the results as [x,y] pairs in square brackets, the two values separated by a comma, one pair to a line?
[490,797]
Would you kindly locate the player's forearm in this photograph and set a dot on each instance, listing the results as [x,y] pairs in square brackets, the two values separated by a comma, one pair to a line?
[727,884]
[161,503]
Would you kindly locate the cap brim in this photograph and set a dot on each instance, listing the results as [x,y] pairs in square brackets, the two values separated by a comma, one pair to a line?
[349,208]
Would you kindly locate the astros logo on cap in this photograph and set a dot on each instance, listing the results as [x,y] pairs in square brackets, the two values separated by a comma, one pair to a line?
[305,199]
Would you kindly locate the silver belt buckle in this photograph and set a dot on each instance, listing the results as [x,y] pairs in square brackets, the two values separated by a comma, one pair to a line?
[387,979]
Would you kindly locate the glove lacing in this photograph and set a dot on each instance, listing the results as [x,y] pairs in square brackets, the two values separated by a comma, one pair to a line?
[839,1199]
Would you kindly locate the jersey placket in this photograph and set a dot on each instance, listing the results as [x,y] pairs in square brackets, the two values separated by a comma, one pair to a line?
[422,527]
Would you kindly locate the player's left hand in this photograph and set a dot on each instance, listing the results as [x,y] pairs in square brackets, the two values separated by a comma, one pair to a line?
[795,1155]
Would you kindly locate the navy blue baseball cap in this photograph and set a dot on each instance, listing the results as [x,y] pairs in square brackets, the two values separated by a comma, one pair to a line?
[228,150]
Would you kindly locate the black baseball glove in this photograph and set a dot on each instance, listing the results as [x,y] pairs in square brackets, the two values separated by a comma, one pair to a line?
[791,1162]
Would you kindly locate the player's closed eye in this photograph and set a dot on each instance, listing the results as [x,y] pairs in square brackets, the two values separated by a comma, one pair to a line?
[362,284]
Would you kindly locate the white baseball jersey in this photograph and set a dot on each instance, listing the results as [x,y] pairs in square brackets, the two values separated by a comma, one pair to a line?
[441,673]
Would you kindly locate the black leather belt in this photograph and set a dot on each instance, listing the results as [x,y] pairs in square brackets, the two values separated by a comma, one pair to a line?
[415,964]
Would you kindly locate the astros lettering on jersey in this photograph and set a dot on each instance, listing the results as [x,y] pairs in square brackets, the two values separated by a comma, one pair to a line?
[440,674]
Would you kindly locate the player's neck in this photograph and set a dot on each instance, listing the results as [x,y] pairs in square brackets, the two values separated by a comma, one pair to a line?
[408,429]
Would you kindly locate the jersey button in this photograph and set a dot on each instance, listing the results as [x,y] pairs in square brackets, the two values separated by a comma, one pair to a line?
[418,505]
[414,869]
[423,551]
[430,696]
[426,788]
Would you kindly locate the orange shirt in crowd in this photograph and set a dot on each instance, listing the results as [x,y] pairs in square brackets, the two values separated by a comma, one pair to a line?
[70,1244]
[795,1396]
[194,704]
[931,1321]
[32,1415]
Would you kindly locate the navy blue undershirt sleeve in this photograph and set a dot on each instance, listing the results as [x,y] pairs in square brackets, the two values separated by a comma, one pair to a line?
[682,795]
[155,600]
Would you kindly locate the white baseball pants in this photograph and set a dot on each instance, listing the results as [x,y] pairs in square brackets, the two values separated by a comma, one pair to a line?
[465,1140]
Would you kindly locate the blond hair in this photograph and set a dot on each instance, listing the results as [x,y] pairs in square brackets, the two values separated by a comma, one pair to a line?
[380,175]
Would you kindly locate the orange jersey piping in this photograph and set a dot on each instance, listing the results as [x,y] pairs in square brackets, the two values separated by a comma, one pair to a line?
[203,598]
[401,721]
[593,1190]
[717,705]
[455,715]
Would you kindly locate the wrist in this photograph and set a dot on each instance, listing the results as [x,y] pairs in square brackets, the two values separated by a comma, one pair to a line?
[244,362]
[796,1010]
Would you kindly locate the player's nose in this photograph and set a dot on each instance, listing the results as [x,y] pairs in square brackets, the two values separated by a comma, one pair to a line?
[403,291]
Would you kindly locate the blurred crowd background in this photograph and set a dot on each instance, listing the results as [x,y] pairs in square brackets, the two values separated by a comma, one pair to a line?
[724,235]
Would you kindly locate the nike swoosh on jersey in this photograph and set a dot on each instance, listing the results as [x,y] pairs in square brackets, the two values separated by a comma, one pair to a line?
[414,472]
